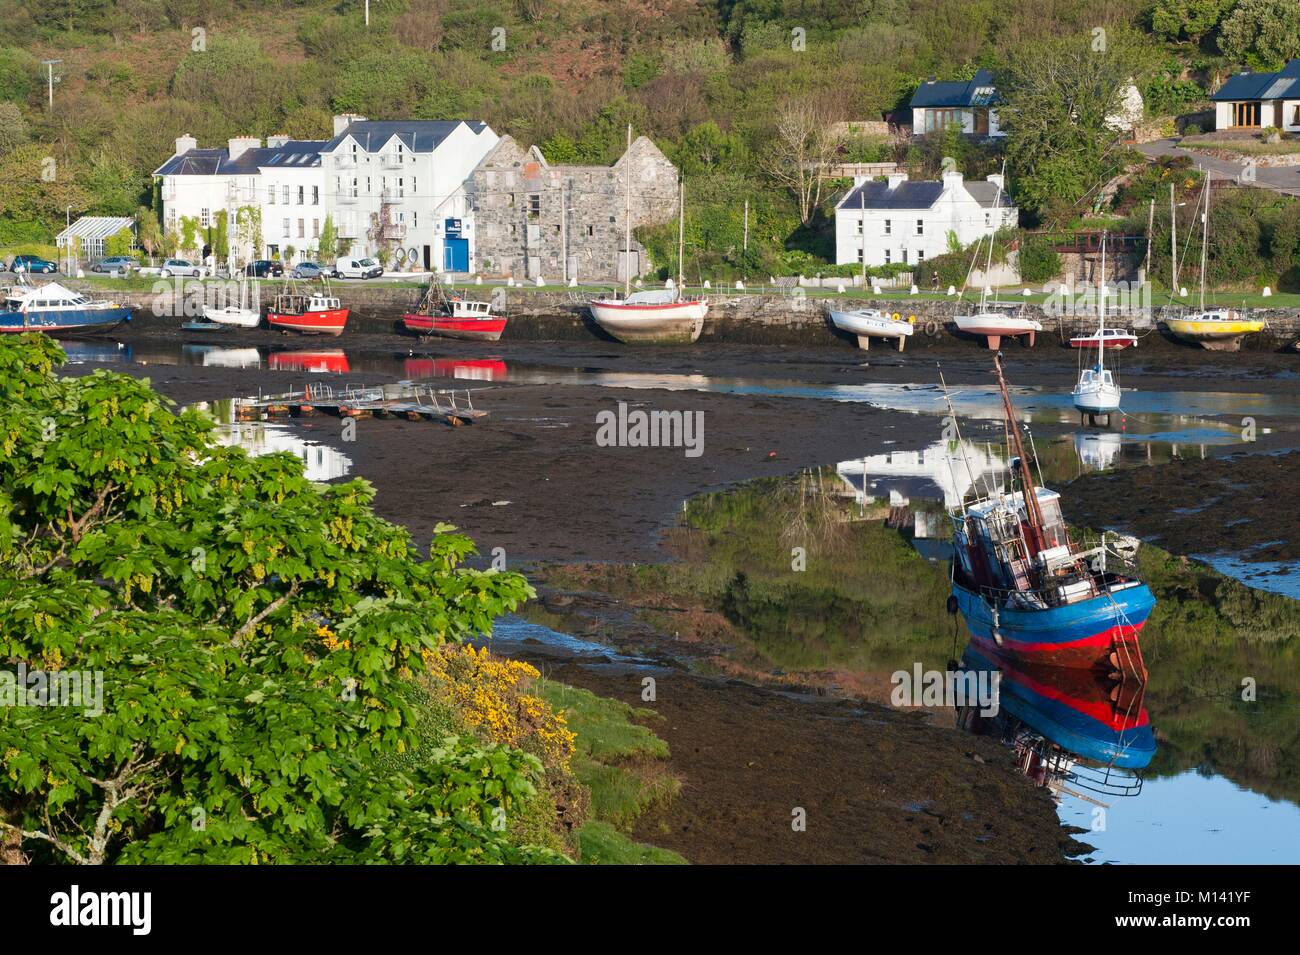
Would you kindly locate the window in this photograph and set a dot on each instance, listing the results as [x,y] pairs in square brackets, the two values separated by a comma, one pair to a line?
[937,119]
[905,256]
[301,190]
[888,257]
[302,229]
[315,195]
[414,189]
[534,205]
[861,224]
[205,217]
[367,185]
[354,187]
[285,229]
[888,227]
[415,219]
[920,256]
[988,219]
[315,228]
[920,227]
[401,188]
[285,193]
[270,194]
[860,255]
[1245,114]
[591,230]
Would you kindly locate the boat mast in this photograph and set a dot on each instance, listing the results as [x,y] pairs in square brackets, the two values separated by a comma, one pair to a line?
[681,233]
[627,218]
[1034,539]
[997,202]
[1205,236]
[1101,308]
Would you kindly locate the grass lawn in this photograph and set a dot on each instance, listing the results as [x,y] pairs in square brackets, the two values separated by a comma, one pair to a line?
[622,762]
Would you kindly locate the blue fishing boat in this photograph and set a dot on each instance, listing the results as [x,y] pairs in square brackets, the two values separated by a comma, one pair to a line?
[1077,711]
[53,308]
[1027,589]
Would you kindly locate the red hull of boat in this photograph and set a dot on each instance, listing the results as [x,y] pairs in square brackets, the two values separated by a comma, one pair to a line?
[1112,344]
[328,322]
[469,329]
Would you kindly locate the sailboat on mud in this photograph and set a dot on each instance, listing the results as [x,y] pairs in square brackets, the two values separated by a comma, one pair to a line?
[659,315]
[1027,590]
[1097,392]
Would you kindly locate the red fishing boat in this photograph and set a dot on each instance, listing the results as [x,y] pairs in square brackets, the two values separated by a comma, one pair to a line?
[451,316]
[318,313]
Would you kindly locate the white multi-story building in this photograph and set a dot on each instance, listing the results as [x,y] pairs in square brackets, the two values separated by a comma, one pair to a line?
[900,221]
[401,183]
[397,185]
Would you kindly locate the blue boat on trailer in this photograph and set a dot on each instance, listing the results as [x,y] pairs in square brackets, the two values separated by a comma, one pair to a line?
[1027,590]
[52,308]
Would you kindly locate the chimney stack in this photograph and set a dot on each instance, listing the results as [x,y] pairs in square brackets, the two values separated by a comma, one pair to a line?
[895,178]
[241,144]
[184,143]
[343,120]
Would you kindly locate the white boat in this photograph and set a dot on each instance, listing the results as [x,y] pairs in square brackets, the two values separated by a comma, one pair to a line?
[996,321]
[1097,392]
[661,315]
[233,315]
[868,323]
[238,314]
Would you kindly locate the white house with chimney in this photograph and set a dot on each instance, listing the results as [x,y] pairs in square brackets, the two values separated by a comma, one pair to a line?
[898,220]
[399,185]
[402,184]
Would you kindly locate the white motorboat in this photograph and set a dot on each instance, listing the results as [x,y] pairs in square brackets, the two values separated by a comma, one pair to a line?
[868,323]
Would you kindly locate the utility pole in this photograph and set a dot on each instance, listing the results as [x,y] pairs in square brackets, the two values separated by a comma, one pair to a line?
[746,245]
[49,66]
[367,13]
[681,233]
[564,232]
[1151,221]
[627,221]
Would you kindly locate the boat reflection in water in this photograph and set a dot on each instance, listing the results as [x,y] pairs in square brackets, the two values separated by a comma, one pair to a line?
[320,361]
[472,369]
[1072,729]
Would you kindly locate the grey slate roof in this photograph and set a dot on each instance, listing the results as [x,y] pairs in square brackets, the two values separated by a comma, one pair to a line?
[955,94]
[296,153]
[906,195]
[1284,84]
[986,194]
[419,136]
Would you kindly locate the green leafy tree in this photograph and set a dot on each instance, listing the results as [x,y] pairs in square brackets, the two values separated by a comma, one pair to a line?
[1058,95]
[148,230]
[13,129]
[1187,19]
[1263,33]
[329,238]
[254,636]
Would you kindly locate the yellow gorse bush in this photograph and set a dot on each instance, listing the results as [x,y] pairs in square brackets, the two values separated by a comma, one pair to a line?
[490,695]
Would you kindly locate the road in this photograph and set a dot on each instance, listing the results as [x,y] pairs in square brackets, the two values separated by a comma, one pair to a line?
[1283,179]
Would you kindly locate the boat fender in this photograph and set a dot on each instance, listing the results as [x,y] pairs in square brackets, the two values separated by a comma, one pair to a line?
[911,319]
[932,328]
[896,316]
[952,604]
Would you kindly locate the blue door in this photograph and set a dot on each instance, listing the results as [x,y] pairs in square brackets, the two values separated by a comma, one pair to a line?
[455,255]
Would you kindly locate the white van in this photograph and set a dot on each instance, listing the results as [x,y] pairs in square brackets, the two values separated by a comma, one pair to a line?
[358,268]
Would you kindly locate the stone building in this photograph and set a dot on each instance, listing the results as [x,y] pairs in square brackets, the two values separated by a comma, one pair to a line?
[565,222]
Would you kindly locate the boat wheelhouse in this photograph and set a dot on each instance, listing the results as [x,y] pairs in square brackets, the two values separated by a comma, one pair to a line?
[54,308]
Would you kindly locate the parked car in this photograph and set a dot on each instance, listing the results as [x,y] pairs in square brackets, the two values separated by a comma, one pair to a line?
[115,263]
[181,267]
[264,268]
[311,270]
[358,268]
[31,263]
